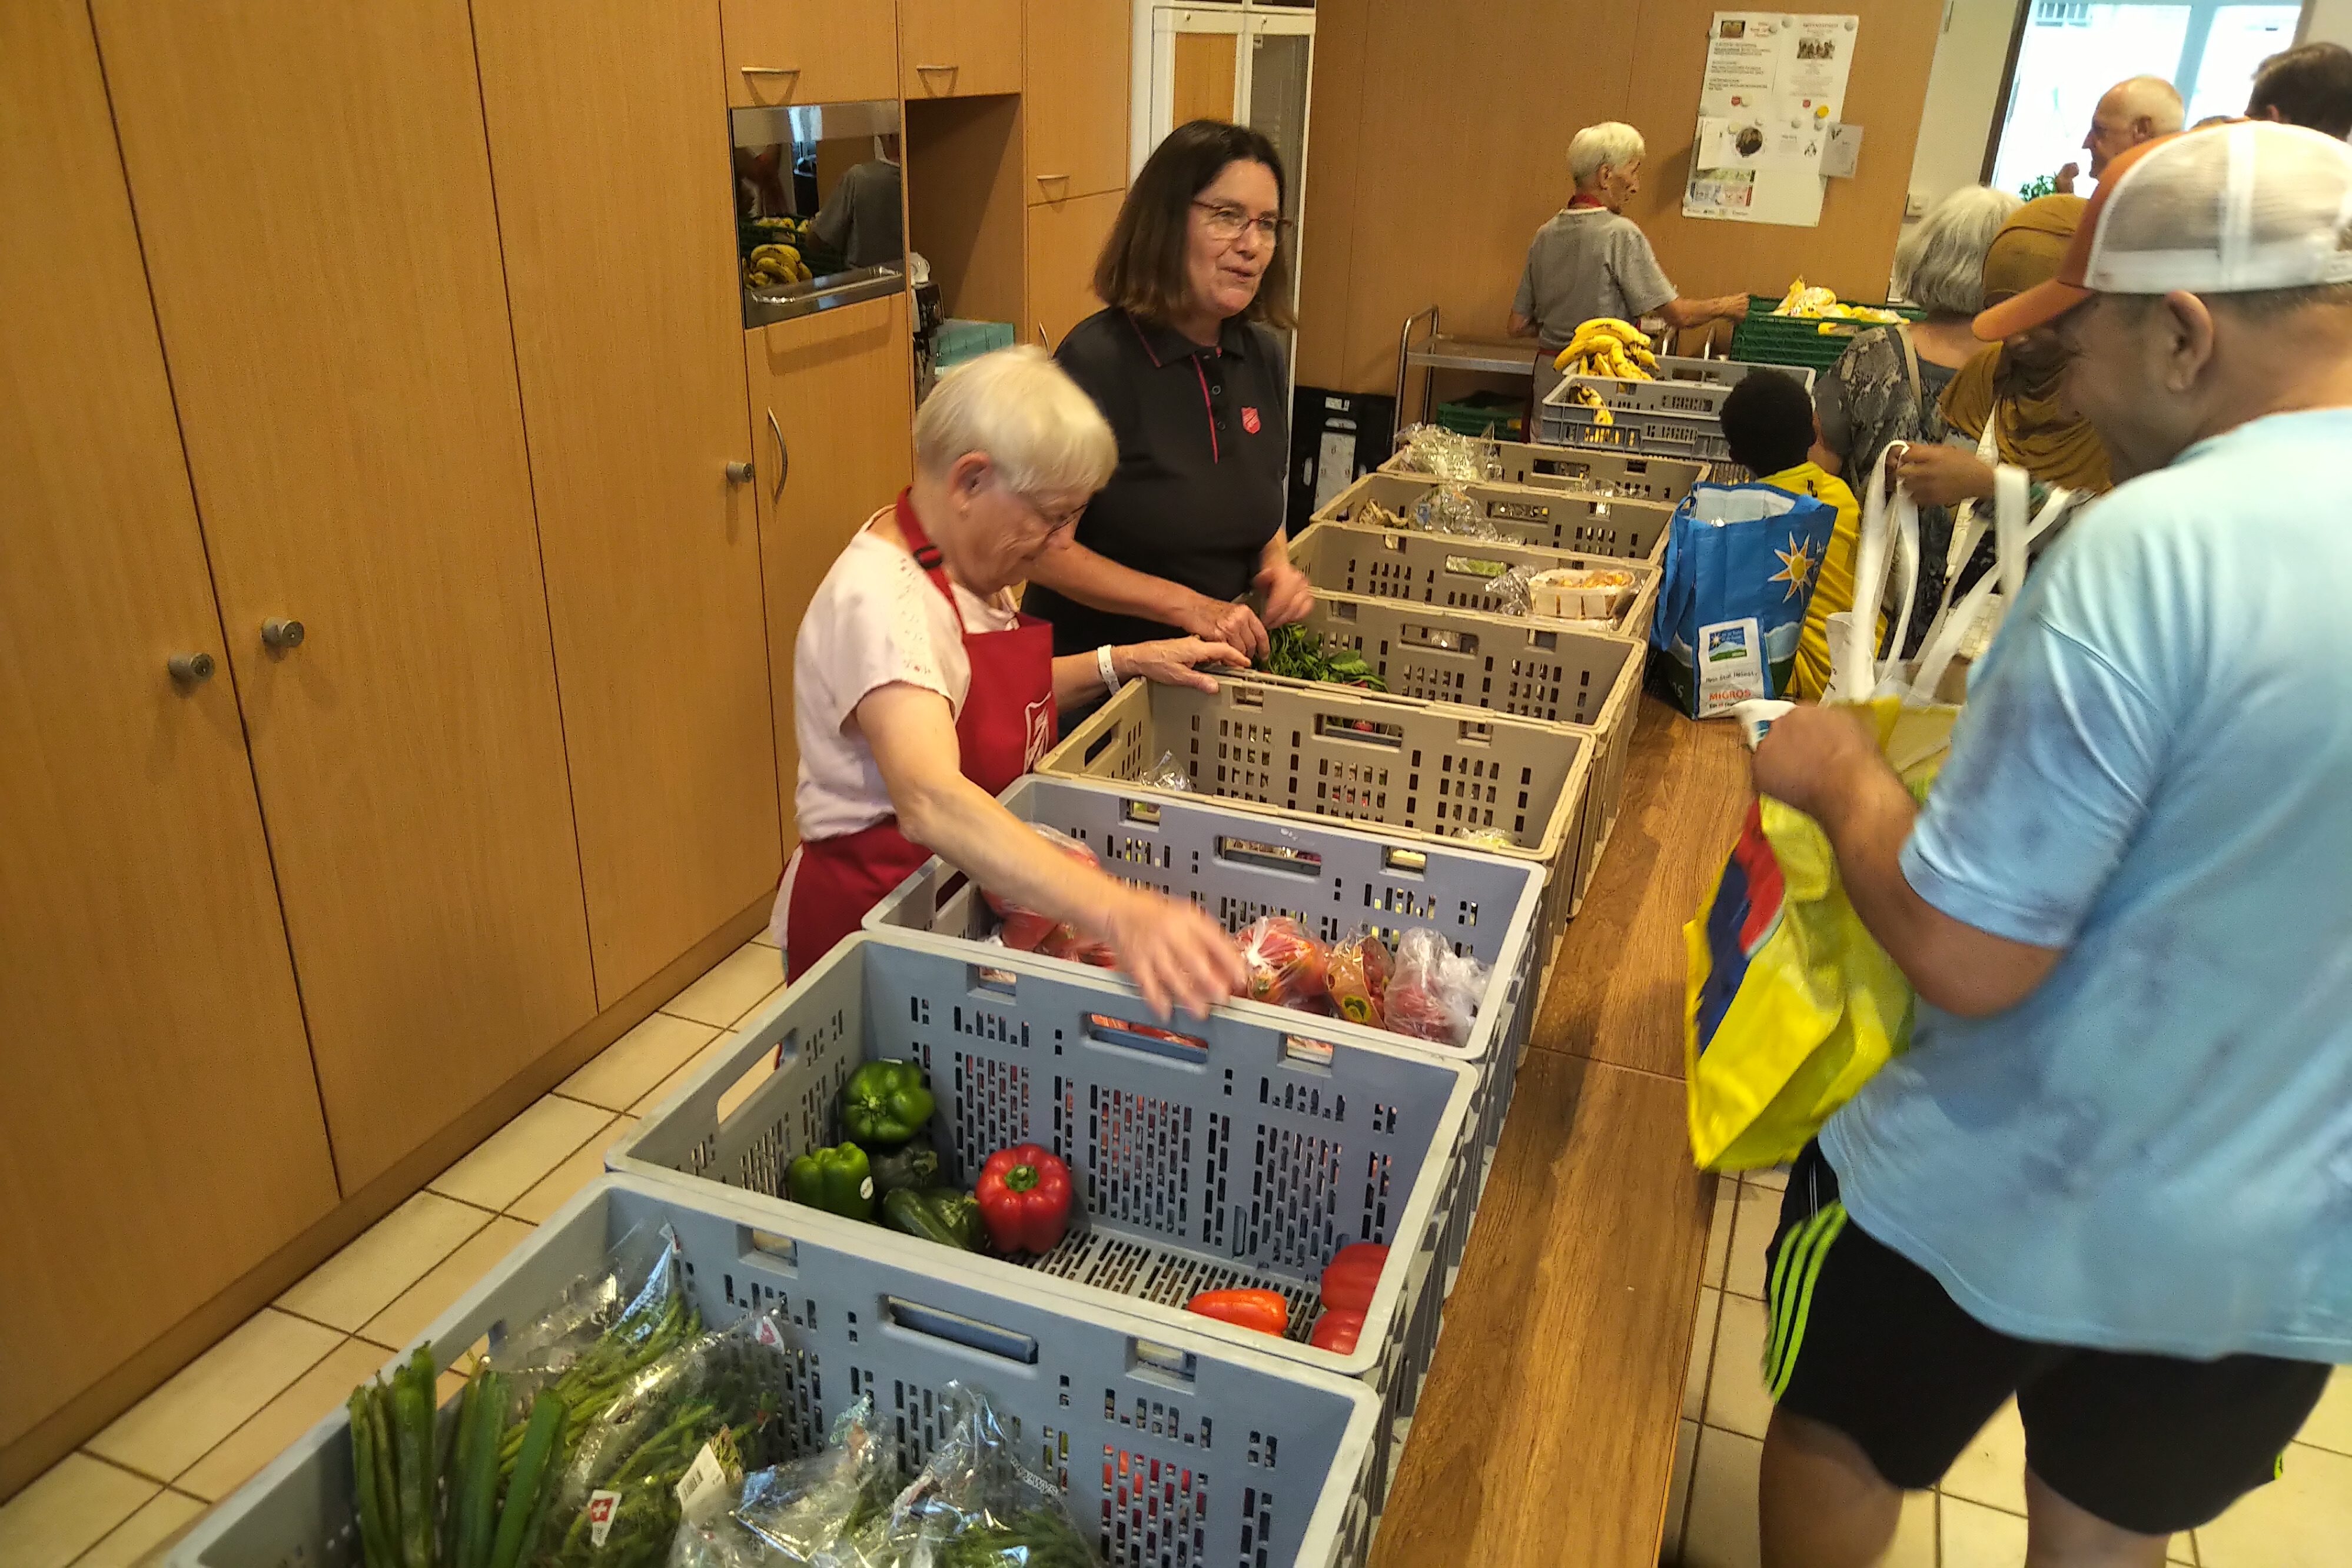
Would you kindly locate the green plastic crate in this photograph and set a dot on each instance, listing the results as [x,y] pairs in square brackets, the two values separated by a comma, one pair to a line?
[1762,338]
[1498,414]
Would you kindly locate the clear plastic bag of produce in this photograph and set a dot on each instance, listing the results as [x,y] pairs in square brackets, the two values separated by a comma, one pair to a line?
[1358,977]
[1492,839]
[1464,459]
[804,1513]
[1434,993]
[704,1413]
[976,1505]
[1286,966]
[1025,928]
[1448,508]
[1512,594]
[1166,774]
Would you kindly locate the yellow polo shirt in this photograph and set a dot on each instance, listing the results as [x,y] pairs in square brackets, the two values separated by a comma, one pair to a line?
[1833,585]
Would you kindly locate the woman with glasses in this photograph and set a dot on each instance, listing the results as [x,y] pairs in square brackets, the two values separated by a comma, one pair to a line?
[1591,260]
[920,692]
[1188,367]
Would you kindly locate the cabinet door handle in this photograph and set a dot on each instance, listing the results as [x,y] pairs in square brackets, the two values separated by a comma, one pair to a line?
[924,70]
[738,473]
[784,457]
[1042,341]
[190,669]
[1043,179]
[281,634]
[769,70]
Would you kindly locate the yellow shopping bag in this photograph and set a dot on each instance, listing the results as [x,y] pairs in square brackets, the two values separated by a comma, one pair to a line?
[1790,1004]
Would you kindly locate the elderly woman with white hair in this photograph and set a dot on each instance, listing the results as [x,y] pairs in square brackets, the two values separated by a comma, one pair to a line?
[919,691]
[1591,260]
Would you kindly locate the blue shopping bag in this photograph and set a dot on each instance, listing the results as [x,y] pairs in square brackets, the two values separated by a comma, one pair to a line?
[1741,561]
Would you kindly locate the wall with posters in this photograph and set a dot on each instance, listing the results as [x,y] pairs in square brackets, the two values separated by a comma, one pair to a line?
[1440,133]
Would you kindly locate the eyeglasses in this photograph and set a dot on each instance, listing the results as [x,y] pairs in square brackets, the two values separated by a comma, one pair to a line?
[1055,522]
[1227,222]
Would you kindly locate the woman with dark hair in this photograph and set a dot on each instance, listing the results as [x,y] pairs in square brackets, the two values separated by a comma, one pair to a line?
[1187,366]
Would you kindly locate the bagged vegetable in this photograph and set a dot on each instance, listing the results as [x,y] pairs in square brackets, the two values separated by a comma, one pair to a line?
[1358,977]
[801,1514]
[1025,928]
[1433,450]
[1286,966]
[711,1402]
[1434,994]
[1166,775]
[976,1505]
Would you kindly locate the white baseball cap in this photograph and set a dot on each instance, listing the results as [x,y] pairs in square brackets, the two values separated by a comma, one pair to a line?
[2238,208]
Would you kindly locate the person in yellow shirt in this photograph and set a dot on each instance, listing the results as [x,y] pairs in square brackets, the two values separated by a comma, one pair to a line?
[1768,422]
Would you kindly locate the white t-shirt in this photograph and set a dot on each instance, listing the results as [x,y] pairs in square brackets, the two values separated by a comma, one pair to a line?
[877,619]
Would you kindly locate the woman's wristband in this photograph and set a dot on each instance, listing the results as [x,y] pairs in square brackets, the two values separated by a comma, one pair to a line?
[1107,667]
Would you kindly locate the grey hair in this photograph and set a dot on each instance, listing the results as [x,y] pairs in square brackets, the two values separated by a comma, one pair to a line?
[1023,412]
[1939,264]
[1613,143]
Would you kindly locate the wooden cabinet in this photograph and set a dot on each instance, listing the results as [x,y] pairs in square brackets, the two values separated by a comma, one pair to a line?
[159,1102]
[959,48]
[833,399]
[808,51]
[1074,98]
[617,230]
[313,195]
[1064,241]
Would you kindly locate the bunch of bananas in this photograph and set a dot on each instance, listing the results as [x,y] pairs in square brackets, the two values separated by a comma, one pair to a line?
[1607,346]
[773,266]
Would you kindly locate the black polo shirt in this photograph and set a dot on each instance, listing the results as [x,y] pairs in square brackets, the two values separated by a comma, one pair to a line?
[1203,444]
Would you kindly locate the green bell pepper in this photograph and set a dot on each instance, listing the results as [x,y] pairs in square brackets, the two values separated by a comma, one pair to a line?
[838,1180]
[885,1103]
[941,1215]
[915,1164]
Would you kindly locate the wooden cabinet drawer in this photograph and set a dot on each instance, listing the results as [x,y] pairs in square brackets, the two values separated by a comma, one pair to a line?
[801,51]
[1074,98]
[959,48]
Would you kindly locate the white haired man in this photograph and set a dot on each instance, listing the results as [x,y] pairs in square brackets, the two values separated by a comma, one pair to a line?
[2137,109]
[1591,260]
[2112,1176]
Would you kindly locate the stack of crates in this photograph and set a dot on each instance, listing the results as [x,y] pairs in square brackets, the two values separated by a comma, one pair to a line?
[1676,414]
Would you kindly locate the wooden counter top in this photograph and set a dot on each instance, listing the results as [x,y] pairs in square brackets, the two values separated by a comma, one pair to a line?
[1545,1431]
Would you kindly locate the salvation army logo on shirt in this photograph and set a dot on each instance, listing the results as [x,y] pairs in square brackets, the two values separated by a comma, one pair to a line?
[1250,420]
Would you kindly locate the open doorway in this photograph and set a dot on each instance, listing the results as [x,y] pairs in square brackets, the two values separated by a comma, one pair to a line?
[2068,52]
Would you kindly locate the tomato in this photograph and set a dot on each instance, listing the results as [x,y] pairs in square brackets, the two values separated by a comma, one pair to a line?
[1027,931]
[1353,1275]
[1337,1331]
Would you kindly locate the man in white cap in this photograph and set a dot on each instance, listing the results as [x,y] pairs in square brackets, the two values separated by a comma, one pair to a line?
[2111,1177]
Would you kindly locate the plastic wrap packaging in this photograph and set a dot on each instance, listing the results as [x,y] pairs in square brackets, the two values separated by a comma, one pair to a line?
[1493,840]
[1167,775]
[1358,977]
[1461,459]
[1026,930]
[805,1513]
[1449,510]
[1286,966]
[1513,593]
[975,1505]
[1434,993]
[699,1416]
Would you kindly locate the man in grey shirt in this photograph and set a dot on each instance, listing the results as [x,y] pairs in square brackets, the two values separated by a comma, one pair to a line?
[1591,260]
[861,219]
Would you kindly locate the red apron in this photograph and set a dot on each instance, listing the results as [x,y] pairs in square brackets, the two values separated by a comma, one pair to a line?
[1007,723]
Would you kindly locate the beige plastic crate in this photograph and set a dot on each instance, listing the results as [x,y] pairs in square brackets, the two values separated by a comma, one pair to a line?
[1553,520]
[1526,668]
[1545,468]
[1451,573]
[1392,765]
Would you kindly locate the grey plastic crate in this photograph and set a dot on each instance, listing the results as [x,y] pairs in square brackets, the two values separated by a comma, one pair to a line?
[1680,416]
[1447,573]
[1262,1460]
[1242,1150]
[1536,465]
[1553,520]
[1237,866]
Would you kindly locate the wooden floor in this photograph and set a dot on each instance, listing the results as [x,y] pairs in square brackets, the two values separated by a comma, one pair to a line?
[1545,1430]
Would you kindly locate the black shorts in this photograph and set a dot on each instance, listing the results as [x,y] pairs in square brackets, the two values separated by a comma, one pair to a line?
[1866,1341]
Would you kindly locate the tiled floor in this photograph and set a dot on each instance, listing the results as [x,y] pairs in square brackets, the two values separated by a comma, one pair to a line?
[1976,1518]
[138,1485]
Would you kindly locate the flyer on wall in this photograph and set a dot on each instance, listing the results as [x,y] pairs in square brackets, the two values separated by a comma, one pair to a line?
[1771,91]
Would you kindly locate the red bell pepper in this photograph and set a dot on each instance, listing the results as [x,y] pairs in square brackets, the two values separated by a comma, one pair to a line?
[1337,1331]
[1353,1275]
[1263,1311]
[1024,1198]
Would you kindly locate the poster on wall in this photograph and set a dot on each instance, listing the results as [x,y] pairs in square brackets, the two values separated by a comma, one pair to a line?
[1773,86]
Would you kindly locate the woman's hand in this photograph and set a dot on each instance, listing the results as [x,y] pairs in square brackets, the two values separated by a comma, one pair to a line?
[1176,662]
[1288,594]
[1177,955]
[1938,475]
[1235,626]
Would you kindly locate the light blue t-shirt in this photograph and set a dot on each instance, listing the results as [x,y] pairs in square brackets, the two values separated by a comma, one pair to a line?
[2153,1151]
